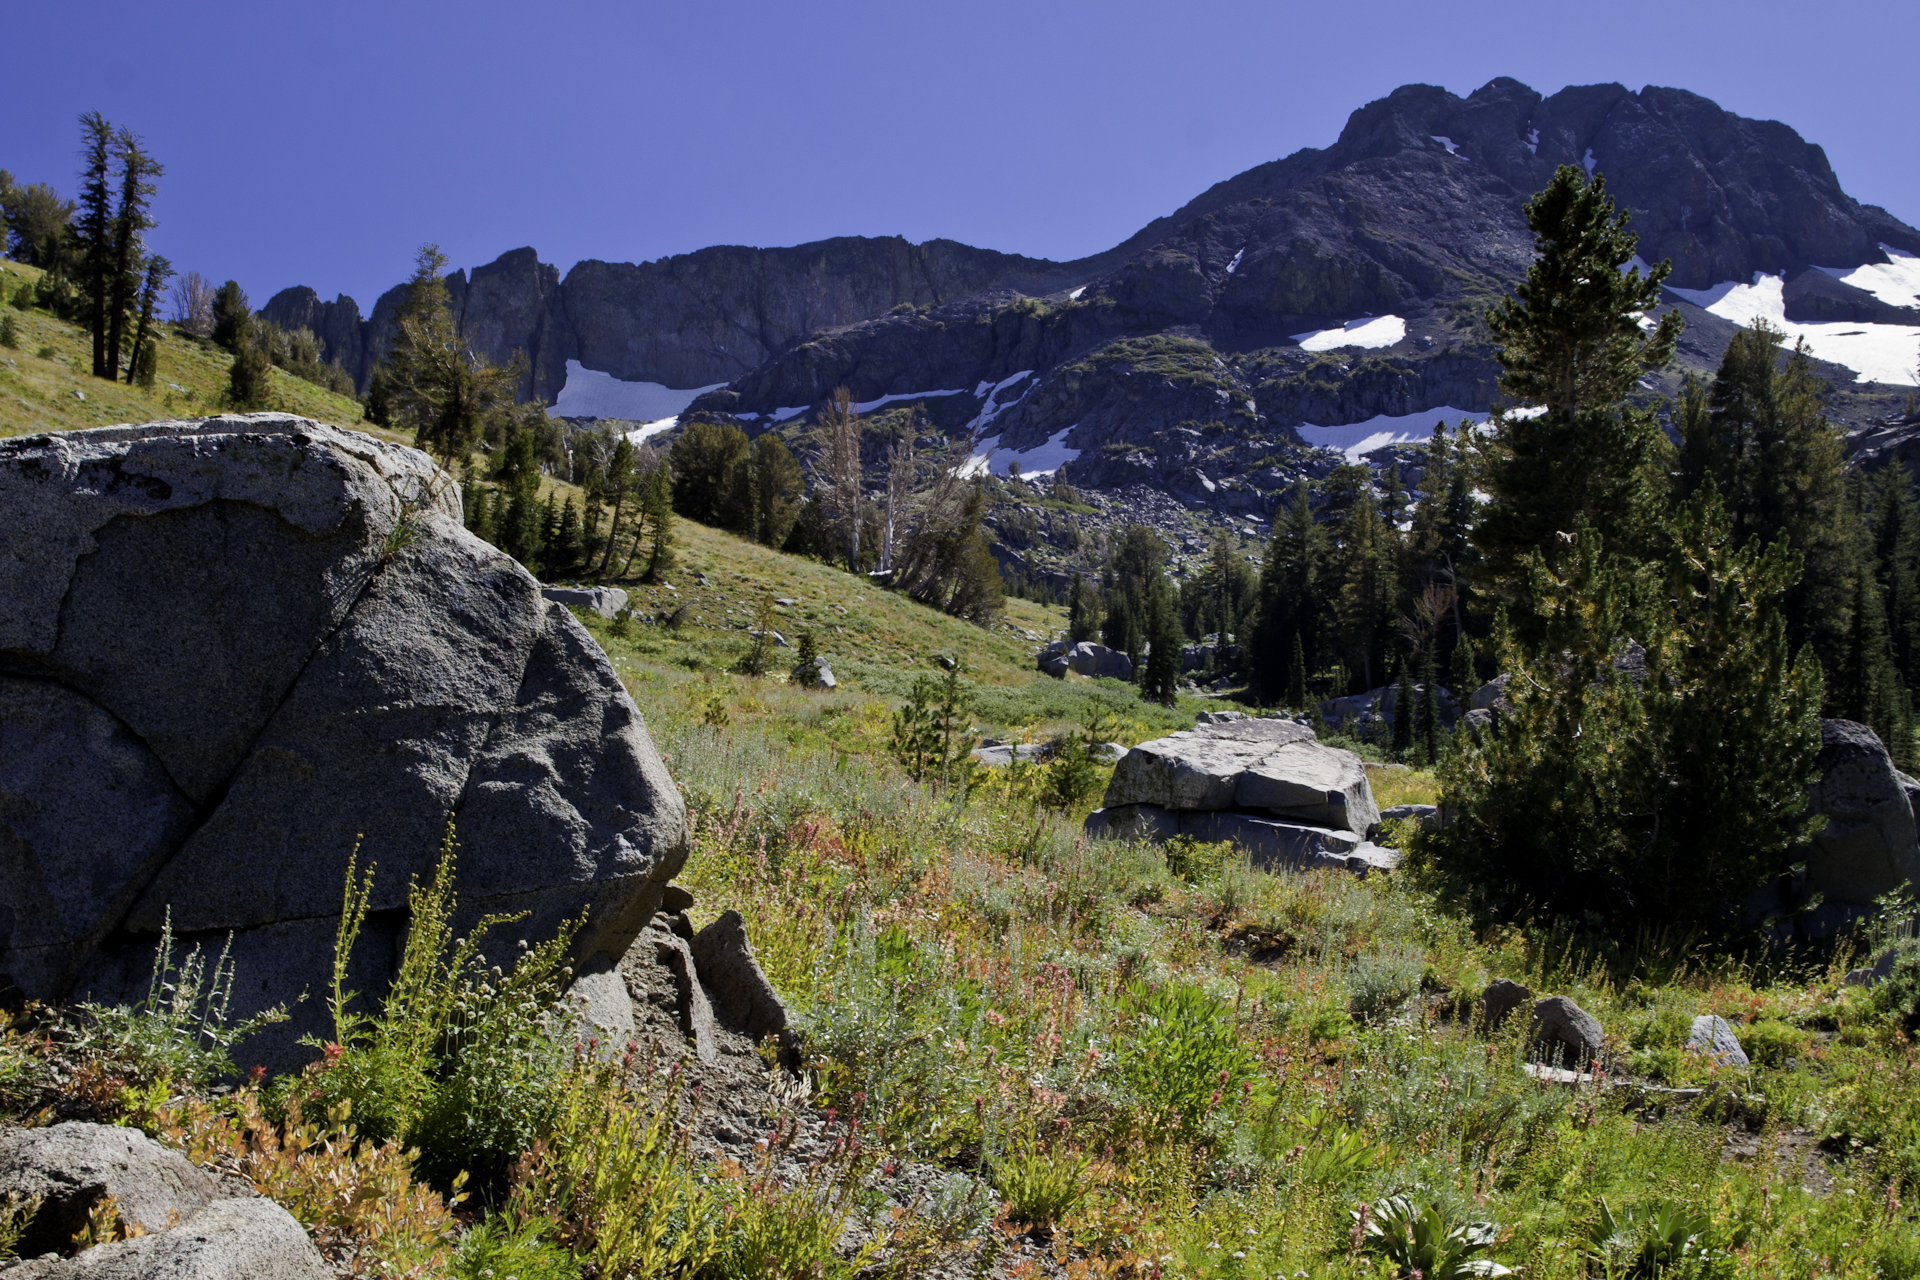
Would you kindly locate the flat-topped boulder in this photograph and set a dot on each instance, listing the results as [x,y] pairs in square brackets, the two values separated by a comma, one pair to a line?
[1276,766]
[234,650]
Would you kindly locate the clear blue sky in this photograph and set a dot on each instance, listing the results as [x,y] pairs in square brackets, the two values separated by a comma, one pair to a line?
[320,144]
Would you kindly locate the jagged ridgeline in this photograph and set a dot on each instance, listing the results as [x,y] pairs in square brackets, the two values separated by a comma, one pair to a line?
[1332,298]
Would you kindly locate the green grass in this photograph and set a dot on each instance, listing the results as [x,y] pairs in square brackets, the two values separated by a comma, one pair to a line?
[37,393]
[985,981]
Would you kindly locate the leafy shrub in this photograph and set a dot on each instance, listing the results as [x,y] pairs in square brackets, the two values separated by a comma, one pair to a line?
[501,1247]
[1898,995]
[614,1173]
[180,1031]
[1196,861]
[462,1060]
[1653,1239]
[355,1196]
[1179,1054]
[1425,1241]
[778,1230]
[1040,1186]
[1383,979]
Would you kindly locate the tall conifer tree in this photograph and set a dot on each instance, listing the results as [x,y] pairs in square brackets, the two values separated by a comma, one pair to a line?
[1572,347]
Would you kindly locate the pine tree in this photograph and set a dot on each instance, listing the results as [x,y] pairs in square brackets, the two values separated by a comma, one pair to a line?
[1365,585]
[655,529]
[1464,678]
[778,488]
[9,333]
[379,407]
[232,321]
[1083,611]
[438,388]
[619,483]
[250,377]
[838,433]
[1759,433]
[1572,348]
[1287,607]
[94,230]
[158,269]
[1654,802]
[1297,676]
[131,221]
[1896,544]
[1163,639]
[1403,713]
[1427,727]
[565,551]
[518,526]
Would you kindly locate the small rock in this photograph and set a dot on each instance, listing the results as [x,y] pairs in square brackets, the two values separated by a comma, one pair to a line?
[1219,717]
[1501,998]
[945,662]
[734,980]
[1876,972]
[817,675]
[674,899]
[1563,1030]
[788,601]
[1711,1035]
[1428,816]
[79,395]
[249,1238]
[605,601]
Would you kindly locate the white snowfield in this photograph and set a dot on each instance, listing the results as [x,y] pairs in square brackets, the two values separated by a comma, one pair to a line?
[1368,331]
[1884,353]
[592,394]
[1357,438]
[988,458]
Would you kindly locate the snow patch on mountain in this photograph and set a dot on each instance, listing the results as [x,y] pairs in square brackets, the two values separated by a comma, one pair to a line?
[588,393]
[1896,283]
[1355,439]
[1884,353]
[988,458]
[1368,331]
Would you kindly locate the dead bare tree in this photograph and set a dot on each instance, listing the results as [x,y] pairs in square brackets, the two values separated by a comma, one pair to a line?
[193,304]
[838,434]
[901,479]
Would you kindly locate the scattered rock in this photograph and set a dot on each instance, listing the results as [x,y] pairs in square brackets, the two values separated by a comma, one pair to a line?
[605,601]
[1096,660]
[1710,1034]
[815,675]
[787,601]
[241,1238]
[1501,998]
[1564,1032]
[944,661]
[70,1168]
[79,395]
[1869,845]
[241,647]
[1219,717]
[1491,696]
[675,899]
[1427,815]
[1876,972]
[733,978]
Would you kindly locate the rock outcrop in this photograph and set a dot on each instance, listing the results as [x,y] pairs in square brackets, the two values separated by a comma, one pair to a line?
[1869,845]
[605,601]
[182,1224]
[232,651]
[1267,785]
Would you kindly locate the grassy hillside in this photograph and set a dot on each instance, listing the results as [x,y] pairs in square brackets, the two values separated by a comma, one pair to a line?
[37,392]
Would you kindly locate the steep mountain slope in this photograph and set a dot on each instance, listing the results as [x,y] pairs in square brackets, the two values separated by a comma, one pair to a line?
[691,320]
[1330,300]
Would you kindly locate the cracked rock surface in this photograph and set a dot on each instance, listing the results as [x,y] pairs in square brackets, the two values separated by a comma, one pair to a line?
[233,649]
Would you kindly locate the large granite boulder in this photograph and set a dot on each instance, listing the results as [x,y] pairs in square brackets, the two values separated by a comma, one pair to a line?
[1090,659]
[71,1169]
[1274,766]
[1267,785]
[240,1238]
[232,651]
[1869,845]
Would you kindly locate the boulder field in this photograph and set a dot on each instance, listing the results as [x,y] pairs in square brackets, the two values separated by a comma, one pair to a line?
[236,653]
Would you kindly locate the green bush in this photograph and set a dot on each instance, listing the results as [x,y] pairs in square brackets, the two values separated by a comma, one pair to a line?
[1898,996]
[181,1032]
[1179,1054]
[463,1059]
[1040,1186]
[503,1249]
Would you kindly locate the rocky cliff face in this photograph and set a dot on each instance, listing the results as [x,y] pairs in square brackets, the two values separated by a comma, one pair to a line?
[687,321]
[1181,358]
